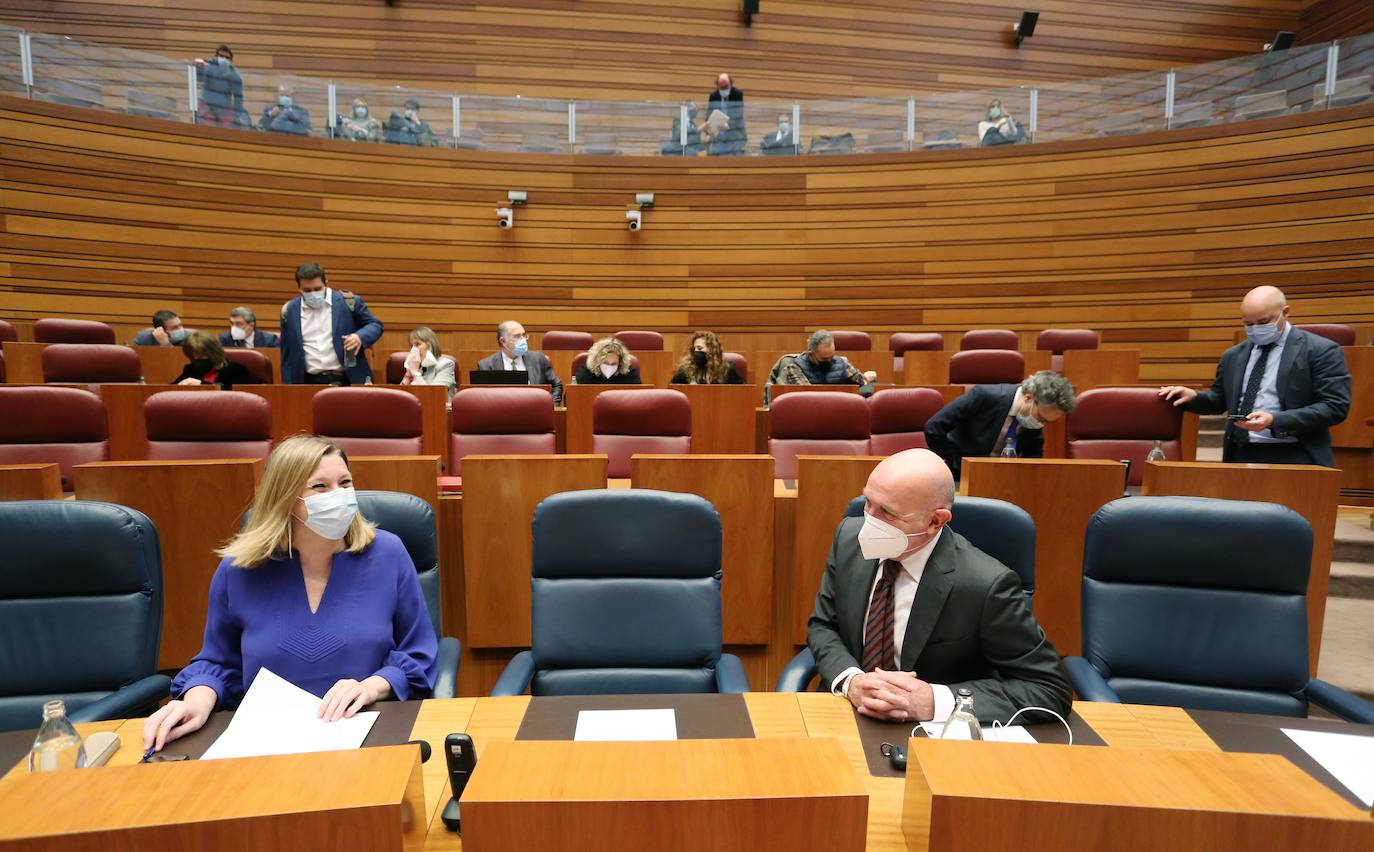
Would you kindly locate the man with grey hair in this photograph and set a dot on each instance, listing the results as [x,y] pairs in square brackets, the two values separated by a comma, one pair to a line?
[909,611]
[818,365]
[1282,389]
[986,420]
[515,355]
[243,331]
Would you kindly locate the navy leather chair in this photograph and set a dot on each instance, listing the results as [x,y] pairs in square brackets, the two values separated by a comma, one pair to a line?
[80,611]
[626,598]
[1200,603]
[1000,529]
[412,521]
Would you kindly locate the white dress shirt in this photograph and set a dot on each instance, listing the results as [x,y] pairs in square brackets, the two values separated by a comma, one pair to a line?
[1267,399]
[512,363]
[903,594]
[317,336]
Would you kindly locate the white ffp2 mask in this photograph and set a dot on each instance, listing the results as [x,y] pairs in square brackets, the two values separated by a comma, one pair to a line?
[330,514]
[880,540]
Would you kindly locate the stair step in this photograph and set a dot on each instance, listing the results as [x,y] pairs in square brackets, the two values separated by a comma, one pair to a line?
[1351,580]
[1354,542]
[1211,440]
[1347,657]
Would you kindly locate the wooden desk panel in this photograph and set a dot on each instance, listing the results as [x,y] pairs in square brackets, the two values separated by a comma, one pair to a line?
[34,482]
[418,475]
[722,417]
[434,417]
[499,497]
[1093,368]
[579,399]
[124,413]
[161,364]
[926,367]
[1061,495]
[825,485]
[23,362]
[741,489]
[1311,491]
[291,408]
[196,507]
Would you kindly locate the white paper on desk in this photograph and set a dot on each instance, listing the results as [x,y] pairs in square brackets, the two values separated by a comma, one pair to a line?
[1348,757]
[277,717]
[626,725]
[1005,734]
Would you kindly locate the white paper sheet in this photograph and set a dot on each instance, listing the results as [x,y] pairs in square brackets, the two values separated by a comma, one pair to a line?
[1349,757]
[1008,734]
[277,717]
[626,725]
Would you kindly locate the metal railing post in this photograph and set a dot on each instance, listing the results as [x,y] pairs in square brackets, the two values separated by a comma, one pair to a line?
[26,62]
[910,123]
[1333,58]
[572,123]
[332,127]
[1034,111]
[192,93]
[457,119]
[1169,99]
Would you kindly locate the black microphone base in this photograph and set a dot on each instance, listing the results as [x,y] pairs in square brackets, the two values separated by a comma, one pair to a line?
[451,816]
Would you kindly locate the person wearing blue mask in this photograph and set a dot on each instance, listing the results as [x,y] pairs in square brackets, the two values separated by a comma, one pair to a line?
[515,354]
[285,116]
[167,330]
[1282,389]
[998,420]
[324,333]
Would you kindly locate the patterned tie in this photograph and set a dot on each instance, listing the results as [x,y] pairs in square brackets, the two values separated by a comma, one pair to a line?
[1247,401]
[879,648]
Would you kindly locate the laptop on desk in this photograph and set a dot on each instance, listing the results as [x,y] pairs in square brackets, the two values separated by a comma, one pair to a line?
[498,377]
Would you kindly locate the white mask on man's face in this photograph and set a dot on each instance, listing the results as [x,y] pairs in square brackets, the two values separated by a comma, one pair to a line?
[238,332]
[880,540]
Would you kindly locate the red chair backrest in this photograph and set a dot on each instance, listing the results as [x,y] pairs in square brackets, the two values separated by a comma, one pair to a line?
[504,420]
[899,417]
[740,363]
[81,363]
[208,425]
[1124,423]
[396,367]
[3,377]
[8,332]
[369,421]
[62,425]
[1339,333]
[625,422]
[988,338]
[986,367]
[566,341]
[72,331]
[914,341]
[1057,340]
[852,341]
[645,340]
[828,423]
[258,364]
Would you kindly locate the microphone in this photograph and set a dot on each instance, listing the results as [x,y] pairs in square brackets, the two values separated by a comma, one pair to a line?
[424,749]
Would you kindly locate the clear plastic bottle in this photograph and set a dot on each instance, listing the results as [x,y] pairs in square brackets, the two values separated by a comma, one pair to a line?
[962,724]
[1156,453]
[58,745]
[1009,451]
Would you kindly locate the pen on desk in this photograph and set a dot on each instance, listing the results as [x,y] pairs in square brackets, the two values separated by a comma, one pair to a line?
[148,753]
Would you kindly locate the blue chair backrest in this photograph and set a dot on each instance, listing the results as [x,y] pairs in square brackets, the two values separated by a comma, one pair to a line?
[412,521]
[1000,529]
[80,604]
[1195,602]
[626,593]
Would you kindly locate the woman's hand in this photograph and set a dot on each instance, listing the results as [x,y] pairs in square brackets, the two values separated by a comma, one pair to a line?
[178,718]
[348,696]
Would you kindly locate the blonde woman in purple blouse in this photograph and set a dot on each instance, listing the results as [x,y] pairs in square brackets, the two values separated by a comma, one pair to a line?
[314,592]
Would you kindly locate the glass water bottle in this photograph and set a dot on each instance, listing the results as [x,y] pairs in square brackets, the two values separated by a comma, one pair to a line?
[58,745]
[962,724]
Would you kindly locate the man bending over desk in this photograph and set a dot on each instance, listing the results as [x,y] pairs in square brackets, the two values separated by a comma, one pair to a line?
[908,611]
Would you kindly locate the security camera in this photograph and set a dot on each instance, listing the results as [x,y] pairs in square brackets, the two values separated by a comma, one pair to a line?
[517,197]
[635,219]
[505,217]
[644,199]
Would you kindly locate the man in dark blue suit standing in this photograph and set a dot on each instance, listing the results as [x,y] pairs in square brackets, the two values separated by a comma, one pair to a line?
[1283,388]
[324,333]
[243,332]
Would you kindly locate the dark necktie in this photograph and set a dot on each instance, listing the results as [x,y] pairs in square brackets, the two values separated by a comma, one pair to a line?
[880,651]
[1247,401]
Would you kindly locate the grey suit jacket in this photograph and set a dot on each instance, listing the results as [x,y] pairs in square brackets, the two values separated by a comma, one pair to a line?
[442,373]
[969,627]
[537,364]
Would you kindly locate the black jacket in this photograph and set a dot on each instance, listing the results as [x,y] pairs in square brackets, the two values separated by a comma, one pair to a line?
[587,377]
[969,426]
[731,377]
[229,375]
[732,141]
[220,86]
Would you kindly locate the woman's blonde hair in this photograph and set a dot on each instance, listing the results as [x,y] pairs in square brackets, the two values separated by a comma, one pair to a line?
[289,468]
[425,334]
[608,346]
[198,344]
[714,371]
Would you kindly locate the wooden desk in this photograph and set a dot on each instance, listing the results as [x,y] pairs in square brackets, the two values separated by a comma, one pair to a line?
[1313,492]
[23,362]
[722,417]
[1353,439]
[418,475]
[579,400]
[33,482]
[161,364]
[1093,368]
[124,413]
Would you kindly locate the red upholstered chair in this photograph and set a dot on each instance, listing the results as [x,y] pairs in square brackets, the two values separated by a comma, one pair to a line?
[509,420]
[83,363]
[899,417]
[207,425]
[1339,333]
[3,377]
[647,341]
[580,359]
[43,425]
[740,363]
[989,338]
[396,367]
[8,332]
[370,421]
[566,341]
[72,331]
[911,341]
[986,367]
[852,341]
[258,365]
[825,423]
[1124,423]
[625,422]
[1058,340]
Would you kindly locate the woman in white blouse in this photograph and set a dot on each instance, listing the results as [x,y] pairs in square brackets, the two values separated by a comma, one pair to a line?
[427,364]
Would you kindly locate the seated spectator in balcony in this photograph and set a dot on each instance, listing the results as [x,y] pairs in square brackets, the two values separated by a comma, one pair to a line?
[1000,128]
[427,364]
[243,331]
[819,365]
[360,126]
[221,90]
[167,330]
[705,364]
[730,140]
[674,147]
[285,116]
[608,363]
[987,419]
[408,129]
[208,364]
[515,354]
[782,142]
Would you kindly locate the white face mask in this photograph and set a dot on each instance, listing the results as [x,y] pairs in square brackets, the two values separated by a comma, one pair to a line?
[880,540]
[238,332]
[330,514]
[608,370]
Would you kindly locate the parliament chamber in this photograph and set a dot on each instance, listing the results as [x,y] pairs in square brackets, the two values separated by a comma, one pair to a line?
[1114,249]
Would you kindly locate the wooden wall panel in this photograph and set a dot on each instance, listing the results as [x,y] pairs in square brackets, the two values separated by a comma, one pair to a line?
[1324,20]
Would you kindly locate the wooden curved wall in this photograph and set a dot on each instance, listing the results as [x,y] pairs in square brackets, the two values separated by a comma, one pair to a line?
[651,49]
[1150,239]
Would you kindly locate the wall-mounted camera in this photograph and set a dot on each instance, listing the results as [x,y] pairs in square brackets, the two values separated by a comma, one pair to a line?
[505,217]
[634,219]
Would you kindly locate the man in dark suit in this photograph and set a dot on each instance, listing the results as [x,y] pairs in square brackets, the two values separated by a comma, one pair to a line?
[986,419]
[324,333]
[782,142]
[515,354]
[908,611]
[730,101]
[1283,388]
[167,330]
[243,331]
